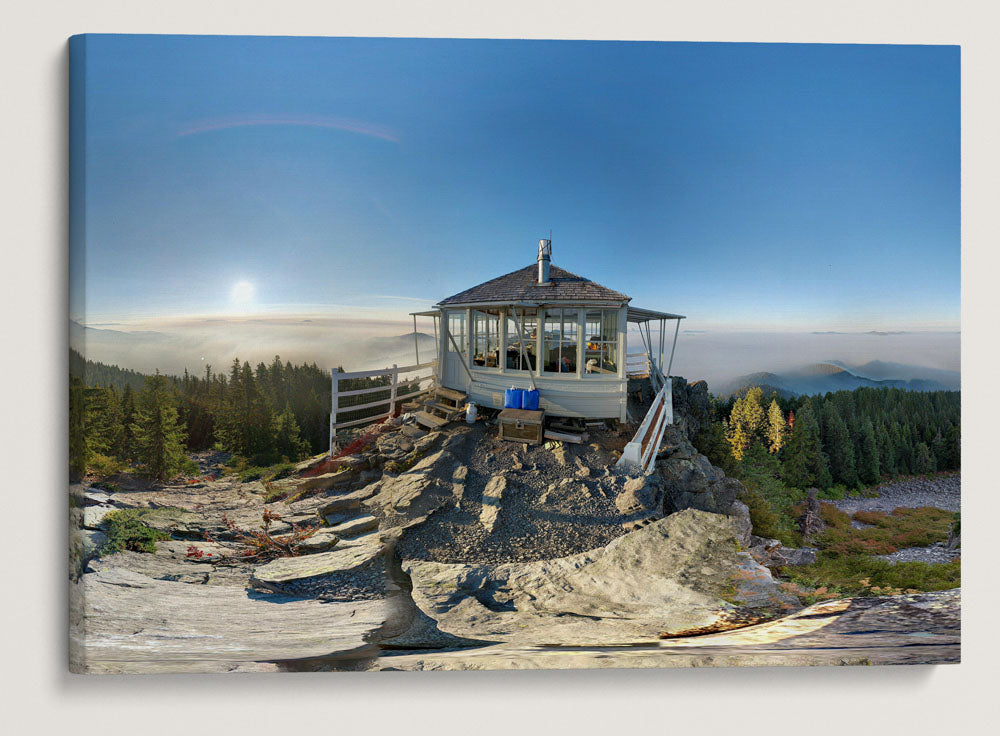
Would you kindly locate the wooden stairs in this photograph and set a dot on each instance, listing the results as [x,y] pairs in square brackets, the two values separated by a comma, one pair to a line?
[446,406]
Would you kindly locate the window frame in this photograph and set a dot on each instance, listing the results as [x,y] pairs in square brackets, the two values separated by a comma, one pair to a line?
[614,340]
[486,315]
[561,310]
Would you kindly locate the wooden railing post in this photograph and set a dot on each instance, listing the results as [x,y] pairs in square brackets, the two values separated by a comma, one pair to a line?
[392,392]
[333,411]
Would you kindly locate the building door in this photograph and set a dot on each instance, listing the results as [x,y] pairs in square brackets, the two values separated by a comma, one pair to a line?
[455,375]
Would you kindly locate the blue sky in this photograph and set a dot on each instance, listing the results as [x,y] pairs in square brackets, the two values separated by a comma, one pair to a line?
[777,186]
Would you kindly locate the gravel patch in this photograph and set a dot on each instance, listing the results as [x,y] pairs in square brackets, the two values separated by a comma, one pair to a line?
[934,554]
[552,507]
[365,583]
[942,492]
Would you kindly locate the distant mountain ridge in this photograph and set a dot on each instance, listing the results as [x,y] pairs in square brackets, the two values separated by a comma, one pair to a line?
[833,375]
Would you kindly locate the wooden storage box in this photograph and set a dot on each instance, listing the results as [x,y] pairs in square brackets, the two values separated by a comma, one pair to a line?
[521,425]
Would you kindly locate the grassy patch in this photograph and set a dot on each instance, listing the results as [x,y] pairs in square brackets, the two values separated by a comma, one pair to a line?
[886,533]
[864,575]
[126,531]
[267,473]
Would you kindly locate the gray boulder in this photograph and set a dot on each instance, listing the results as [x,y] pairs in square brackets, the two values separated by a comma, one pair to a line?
[684,571]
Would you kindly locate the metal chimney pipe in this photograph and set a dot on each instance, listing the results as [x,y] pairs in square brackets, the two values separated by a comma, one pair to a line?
[544,260]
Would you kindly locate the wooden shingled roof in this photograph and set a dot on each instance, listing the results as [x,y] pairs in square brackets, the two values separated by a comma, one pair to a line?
[522,286]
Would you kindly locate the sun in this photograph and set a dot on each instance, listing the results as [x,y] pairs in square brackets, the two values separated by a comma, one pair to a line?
[242,292]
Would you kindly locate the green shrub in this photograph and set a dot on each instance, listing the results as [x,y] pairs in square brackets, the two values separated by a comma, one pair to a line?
[103,466]
[886,533]
[126,531]
[865,575]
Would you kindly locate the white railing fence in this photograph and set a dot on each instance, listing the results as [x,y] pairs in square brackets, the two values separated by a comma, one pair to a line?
[357,396]
[641,451]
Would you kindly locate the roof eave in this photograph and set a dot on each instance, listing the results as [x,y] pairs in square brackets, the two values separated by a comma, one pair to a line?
[508,303]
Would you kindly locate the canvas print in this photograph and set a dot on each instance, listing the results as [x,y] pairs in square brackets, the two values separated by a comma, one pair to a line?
[437,354]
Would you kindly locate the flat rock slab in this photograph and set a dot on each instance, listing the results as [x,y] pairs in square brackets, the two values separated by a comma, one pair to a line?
[492,497]
[347,501]
[682,572]
[321,541]
[288,569]
[354,527]
[125,622]
[924,628]
[327,480]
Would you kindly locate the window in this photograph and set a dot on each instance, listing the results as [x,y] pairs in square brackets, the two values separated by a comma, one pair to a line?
[601,350]
[456,328]
[529,325]
[560,339]
[485,338]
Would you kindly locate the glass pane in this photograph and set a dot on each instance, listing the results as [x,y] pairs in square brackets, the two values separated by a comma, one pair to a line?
[601,348]
[610,333]
[515,362]
[456,328]
[560,340]
[485,339]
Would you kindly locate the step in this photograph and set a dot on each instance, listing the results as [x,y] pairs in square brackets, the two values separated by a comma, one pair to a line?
[430,420]
[449,411]
[449,393]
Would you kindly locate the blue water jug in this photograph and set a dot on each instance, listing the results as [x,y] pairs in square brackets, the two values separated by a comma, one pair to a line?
[529,399]
[512,398]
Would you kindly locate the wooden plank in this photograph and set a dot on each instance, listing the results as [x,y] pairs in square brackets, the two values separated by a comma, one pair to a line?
[369,405]
[576,439]
[417,367]
[368,420]
[522,415]
[452,394]
[429,420]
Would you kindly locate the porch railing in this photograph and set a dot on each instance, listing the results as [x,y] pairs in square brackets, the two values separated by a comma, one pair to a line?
[641,451]
[358,397]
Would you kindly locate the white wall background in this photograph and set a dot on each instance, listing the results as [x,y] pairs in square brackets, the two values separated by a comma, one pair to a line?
[37,693]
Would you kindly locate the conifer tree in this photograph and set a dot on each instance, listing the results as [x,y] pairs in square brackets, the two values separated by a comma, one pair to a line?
[126,447]
[805,464]
[775,427]
[746,422]
[923,461]
[157,430]
[868,465]
[287,442]
[839,447]
[79,453]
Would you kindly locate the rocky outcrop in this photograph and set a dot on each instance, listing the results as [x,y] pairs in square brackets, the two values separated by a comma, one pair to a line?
[772,554]
[126,622]
[680,572]
[692,406]
[913,629]
[412,496]
[489,514]
[340,560]
[810,523]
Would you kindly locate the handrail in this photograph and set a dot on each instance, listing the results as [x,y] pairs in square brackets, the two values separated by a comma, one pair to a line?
[392,400]
[641,451]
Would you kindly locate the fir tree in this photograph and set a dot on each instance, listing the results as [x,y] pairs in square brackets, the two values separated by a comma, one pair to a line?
[775,427]
[746,422]
[839,447]
[157,430]
[79,453]
[287,443]
[805,464]
[923,461]
[868,460]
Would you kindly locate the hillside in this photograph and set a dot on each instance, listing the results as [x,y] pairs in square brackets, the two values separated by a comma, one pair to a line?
[100,374]
[821,378]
